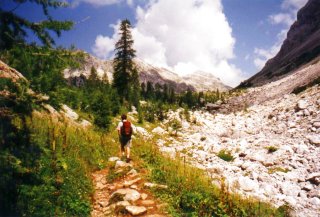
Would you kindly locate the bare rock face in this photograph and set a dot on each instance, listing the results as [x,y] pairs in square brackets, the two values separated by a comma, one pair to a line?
[8,72]
[199,81]
[301,46]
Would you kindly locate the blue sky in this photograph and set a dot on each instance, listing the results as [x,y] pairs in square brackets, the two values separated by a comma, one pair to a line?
[230,38]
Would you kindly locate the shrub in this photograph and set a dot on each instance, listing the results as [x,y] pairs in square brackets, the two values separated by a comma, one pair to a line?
[278,169]
[203,138]
[225,155]
[271,149]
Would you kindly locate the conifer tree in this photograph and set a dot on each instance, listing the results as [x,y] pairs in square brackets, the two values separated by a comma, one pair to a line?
[13,27]
[123,61]
[135,88]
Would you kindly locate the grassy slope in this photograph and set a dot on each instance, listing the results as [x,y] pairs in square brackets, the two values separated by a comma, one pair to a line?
[67,155]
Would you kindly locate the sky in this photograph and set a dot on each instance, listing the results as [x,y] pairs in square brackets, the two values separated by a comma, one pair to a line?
[232,39]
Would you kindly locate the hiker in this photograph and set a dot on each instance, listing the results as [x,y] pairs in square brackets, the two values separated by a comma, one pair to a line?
[125,129]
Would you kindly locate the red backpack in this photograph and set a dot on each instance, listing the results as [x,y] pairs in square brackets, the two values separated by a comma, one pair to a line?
[126,129]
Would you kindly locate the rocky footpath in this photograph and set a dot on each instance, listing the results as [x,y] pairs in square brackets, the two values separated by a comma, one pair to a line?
[275,146]
[127,195]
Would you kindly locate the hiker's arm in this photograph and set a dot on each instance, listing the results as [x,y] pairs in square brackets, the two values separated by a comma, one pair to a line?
[118,129]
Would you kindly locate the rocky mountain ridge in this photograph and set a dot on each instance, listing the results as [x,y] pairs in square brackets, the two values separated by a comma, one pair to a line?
[301,46]
[300,79]
[199,81]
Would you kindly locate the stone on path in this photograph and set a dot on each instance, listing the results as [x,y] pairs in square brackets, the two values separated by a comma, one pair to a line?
[136,210]
[147,202]
[155,215]
[121,164]
[113,159]
[131,182]
[127,193]
[153,185]
[144,196]
[122,204]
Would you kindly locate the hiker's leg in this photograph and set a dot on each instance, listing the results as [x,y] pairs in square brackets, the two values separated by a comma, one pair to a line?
[128,152]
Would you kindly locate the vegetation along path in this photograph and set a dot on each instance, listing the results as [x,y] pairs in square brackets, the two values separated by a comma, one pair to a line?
[121,191]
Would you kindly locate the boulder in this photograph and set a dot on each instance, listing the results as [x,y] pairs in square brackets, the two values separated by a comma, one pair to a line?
[314,178]
[158,130]
[247,184]
[315,201]
[301,105]
[68,112]
[290,189]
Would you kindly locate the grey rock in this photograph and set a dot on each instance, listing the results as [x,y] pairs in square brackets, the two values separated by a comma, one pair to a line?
[315,140]
[290,189]
[301,105]
[247,184]
[314,178]
[316,124]
[315,201]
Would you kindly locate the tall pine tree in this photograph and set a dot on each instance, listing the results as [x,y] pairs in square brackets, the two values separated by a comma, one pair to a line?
[124,70]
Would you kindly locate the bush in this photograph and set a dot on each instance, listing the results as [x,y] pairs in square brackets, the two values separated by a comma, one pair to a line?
[225,155]
[271,149]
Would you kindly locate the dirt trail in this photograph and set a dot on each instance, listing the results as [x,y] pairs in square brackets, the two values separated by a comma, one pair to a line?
[127,195]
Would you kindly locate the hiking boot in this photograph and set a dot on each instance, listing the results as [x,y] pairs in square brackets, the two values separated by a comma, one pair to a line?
[128,160]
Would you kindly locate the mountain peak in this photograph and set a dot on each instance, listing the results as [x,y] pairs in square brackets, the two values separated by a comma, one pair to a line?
[301,46]
[198,81]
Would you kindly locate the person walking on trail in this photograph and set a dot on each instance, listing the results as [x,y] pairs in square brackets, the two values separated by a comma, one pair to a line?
[125,130]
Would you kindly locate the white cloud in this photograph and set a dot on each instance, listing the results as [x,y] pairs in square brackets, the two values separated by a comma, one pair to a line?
[104,45]
[293,4]
[286,18]
[185,36]
[130,2]
[281,18]
[262,55]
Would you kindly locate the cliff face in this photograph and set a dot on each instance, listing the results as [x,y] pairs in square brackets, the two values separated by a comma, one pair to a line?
[301,46]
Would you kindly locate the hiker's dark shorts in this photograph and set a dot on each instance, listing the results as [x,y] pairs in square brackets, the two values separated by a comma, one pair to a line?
[125,143]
